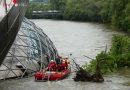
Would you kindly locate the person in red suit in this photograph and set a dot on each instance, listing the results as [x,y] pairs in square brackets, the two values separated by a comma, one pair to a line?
[52,66]
[63,65]
[67,62]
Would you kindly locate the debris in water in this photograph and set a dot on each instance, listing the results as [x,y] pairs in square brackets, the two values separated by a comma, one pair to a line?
[83,75]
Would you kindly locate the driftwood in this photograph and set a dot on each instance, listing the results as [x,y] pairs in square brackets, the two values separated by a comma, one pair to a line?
[97,76]
[83,75]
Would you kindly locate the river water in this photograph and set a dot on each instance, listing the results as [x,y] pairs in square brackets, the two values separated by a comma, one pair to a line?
[79,39]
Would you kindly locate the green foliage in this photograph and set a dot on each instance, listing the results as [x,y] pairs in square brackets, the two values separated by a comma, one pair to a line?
[83,10]
[126,20]
[57,4]
[117,57]
[41,6]
[107,63]
[36,6]
[115,12]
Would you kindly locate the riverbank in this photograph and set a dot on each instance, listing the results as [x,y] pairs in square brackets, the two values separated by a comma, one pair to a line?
[116,58]
[116,14]
[78,38]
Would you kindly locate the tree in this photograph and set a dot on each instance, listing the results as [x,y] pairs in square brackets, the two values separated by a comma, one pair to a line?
[57,4]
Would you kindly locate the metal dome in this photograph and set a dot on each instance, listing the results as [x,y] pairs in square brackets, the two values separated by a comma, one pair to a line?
[31,50]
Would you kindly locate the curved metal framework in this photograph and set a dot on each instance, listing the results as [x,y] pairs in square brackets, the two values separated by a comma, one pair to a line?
[31,50]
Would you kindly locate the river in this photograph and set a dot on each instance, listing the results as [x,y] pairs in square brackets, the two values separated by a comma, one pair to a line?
[78,39]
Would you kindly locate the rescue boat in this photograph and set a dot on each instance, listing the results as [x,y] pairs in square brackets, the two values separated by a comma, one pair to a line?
[53,71]
[52,75]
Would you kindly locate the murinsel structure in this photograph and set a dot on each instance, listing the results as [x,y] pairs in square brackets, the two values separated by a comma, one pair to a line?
[31,50]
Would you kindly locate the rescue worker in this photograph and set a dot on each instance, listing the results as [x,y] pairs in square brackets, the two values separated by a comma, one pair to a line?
[52,66]
[67,62]
[63,65]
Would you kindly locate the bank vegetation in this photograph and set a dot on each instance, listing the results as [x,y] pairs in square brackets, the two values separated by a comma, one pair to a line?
[113,12]
[116,13]
[117,58]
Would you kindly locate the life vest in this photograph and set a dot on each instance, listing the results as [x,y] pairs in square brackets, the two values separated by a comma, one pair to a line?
[63,65]
[67,63]
[52,66]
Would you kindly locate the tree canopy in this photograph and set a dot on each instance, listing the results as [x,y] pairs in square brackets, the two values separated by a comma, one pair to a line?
[115,12]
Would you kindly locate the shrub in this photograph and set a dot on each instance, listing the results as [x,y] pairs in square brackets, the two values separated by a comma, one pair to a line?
[117,57]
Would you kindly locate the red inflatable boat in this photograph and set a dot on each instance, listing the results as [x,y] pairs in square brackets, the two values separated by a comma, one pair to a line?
[53,71]
[52,75]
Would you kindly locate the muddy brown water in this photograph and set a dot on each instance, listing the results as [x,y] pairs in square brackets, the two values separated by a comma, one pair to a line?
[78,38]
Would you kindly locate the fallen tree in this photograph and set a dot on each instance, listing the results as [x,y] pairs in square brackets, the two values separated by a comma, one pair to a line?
[83,75]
